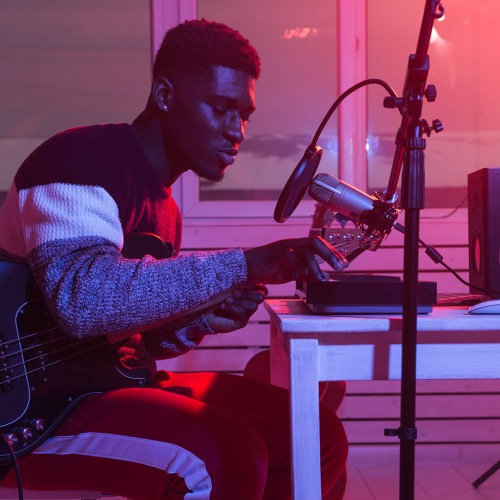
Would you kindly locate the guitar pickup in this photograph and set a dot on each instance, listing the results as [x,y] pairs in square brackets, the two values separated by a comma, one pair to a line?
[39,362]
[5,371]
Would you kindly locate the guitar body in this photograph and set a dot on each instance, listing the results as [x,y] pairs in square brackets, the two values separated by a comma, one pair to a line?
[44,373]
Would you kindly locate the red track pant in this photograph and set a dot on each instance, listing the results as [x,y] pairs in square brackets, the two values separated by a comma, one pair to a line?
[189,436]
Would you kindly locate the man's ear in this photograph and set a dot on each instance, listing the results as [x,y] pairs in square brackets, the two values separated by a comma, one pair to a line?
[162,91]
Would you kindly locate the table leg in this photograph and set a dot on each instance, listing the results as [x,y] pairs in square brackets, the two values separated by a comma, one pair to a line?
[280,373]
[304,414]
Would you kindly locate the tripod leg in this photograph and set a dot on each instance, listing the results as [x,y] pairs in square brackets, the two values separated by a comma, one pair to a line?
[481,479]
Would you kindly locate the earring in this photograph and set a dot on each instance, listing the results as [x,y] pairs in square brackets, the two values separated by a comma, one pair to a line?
[165,107]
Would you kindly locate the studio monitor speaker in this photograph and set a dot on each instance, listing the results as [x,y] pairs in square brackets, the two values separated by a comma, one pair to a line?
[484,230]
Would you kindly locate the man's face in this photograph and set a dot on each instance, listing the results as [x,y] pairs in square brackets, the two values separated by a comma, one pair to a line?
[206,121]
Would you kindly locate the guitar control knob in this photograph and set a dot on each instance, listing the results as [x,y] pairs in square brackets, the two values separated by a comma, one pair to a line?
[25,433]
[38,424]
[11,438]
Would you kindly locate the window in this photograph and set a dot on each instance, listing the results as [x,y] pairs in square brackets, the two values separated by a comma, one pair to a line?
[382,36]
[67,64]
[463,68]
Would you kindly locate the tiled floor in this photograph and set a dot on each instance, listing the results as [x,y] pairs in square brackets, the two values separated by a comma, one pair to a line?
[441,473]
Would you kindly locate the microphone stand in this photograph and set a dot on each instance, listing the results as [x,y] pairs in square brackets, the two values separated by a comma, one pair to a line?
[410,147]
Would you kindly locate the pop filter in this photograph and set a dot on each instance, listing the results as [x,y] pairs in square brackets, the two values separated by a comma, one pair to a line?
[297,184]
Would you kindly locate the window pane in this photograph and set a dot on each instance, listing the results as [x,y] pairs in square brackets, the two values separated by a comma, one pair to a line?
[66,64]
[463,68]
[297,43]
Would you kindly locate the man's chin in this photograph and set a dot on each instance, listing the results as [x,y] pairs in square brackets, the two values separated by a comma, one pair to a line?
[212,177]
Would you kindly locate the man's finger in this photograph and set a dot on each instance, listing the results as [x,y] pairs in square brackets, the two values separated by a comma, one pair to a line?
[330,255]
[315,271]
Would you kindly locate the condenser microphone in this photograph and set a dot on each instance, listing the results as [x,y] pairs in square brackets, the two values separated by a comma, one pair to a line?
[341,197]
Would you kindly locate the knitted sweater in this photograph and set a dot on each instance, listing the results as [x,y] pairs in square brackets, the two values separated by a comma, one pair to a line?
[72,204]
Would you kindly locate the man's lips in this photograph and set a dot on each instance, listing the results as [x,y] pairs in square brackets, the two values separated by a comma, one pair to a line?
[228,155]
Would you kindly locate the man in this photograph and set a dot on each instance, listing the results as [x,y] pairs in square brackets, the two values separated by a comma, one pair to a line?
[77,209]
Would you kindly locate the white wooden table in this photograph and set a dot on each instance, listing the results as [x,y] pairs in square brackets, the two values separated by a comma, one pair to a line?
[308,348]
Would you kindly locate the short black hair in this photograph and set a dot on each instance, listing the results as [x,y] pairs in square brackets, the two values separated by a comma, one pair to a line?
[195,46]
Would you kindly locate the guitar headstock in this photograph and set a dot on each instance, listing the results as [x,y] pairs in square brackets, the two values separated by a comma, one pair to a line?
[346,240]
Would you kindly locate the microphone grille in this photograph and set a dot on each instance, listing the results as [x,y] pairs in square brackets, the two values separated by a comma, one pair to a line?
[321,193]
[327,179]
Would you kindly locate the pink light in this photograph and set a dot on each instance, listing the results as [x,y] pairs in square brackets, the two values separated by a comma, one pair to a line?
[299,32]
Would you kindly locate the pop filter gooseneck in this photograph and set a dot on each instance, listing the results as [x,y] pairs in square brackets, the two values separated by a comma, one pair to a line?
[301,177]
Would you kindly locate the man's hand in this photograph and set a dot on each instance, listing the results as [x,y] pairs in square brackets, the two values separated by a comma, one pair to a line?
[235,311]
[293,259]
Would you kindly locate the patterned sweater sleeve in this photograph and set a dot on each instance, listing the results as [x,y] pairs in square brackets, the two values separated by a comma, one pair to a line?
[91,289]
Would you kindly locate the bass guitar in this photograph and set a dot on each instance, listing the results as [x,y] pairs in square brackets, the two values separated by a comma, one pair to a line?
[44,373]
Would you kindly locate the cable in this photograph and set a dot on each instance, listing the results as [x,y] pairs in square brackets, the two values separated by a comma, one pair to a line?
[12,453]
[349,91]
[461,204]
[438,259]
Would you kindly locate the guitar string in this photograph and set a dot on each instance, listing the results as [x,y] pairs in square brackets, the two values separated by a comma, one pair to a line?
[42,355]
[7,368]
[217,299]
[337,246]
[27,337]
[25,350]
[6,382]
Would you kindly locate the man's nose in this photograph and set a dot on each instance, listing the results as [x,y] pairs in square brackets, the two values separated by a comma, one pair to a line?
[235,129]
